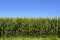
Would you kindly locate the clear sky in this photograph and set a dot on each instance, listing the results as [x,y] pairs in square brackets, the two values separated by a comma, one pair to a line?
[30,8]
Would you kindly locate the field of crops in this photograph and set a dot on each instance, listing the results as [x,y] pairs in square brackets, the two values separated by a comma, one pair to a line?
[29,27]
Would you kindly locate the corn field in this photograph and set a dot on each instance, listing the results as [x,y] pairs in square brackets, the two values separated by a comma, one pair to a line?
[29,27]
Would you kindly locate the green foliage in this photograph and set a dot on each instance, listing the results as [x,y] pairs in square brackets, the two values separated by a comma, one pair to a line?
[29,27]
[28,38]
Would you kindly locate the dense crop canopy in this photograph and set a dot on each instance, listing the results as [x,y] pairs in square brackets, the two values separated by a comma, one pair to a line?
[29,27]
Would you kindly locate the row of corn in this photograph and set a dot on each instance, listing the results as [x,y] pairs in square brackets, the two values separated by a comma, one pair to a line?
[29,27]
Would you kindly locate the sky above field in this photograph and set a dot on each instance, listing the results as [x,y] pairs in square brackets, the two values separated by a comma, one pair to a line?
[29,8]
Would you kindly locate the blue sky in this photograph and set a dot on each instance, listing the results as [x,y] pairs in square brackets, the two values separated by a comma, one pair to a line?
[29,8]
